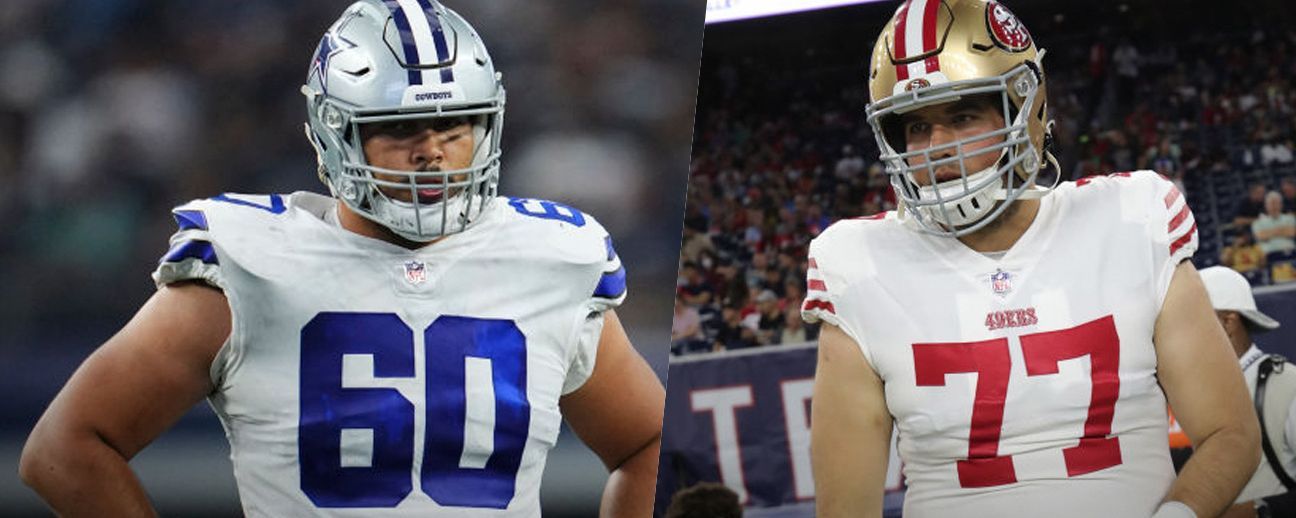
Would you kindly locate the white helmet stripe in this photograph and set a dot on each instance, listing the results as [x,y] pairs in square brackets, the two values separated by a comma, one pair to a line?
[422,33]
[915,26]
[410,52]
[438,39]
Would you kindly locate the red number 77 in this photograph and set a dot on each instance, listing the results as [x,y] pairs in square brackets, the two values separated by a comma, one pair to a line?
[984,466]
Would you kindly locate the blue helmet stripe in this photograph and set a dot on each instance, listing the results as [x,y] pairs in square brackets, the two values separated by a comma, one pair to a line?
[438,39]
[407,41]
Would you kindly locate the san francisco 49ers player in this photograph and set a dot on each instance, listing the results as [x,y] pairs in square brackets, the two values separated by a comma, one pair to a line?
[1024,341]
[406,347]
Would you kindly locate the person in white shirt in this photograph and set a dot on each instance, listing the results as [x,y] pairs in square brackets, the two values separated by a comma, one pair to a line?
[1274,230]
[1231,297]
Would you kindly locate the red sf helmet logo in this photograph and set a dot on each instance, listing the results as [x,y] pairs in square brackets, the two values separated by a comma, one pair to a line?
[917,83]
[1008,31]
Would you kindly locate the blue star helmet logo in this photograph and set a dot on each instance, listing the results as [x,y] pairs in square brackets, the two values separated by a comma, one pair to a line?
[330,45]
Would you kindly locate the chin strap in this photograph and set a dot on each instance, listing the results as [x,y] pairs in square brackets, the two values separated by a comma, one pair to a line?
[1032,193]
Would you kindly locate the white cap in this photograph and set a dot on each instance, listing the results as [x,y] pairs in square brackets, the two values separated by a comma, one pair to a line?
[1230,291]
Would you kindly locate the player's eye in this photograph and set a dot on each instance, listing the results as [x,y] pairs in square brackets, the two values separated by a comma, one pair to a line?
[398,129]
[444,124]
[446,127]
[917,128]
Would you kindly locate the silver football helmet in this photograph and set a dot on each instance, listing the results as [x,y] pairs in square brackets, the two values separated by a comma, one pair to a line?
[395,60]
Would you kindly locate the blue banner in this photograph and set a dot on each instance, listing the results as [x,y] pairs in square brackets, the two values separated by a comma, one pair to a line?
[743,419]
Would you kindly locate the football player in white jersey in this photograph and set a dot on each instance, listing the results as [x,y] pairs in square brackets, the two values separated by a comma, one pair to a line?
[406,347]
[1023,341]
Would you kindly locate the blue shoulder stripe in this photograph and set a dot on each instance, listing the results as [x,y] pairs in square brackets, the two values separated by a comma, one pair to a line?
[190,219]
[607,240]
[612,284]
[192,249]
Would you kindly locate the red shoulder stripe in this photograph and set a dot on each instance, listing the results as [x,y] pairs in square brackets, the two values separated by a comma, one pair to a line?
[1172,196]
[813,304]
[1179,218]
[1184,239]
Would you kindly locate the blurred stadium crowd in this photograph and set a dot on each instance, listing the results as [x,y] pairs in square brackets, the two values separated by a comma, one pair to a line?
[782,149]
[112,112]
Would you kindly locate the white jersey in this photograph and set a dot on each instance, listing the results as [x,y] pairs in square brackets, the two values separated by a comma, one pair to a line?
[364,379]
[1022,385]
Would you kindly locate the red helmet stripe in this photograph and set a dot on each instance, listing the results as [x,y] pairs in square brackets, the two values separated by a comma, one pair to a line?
[929,33]
[933,63]
[902,71]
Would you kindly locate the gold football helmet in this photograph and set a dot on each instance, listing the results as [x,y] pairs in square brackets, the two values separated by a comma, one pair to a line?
[940,51]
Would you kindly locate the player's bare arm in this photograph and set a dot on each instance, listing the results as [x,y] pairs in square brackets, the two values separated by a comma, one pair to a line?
[618,414]
[850,430]
[1198,372]
[127,393]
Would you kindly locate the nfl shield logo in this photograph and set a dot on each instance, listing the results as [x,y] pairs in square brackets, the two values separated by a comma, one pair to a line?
[415,272]
[1000,282]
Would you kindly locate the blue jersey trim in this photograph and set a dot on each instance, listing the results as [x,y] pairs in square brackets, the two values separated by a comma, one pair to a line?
[612,284]
[190,219]
[611,253]
[193,249]
[276,205]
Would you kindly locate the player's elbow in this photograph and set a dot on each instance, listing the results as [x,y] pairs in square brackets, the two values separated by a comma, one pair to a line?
[39,460]
[642,459]
[1240,437]
[53,457]
[1248,432]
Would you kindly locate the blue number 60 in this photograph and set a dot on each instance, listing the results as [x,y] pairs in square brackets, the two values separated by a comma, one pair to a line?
[456,349]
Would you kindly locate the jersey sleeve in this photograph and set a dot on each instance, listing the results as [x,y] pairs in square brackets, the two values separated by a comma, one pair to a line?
[824,301]
[608,293]
[611,289]
[818,305]
[1171,227]
[192,255]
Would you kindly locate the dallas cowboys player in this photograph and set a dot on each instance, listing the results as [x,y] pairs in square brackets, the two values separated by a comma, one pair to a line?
[405,347]
[1023,341]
